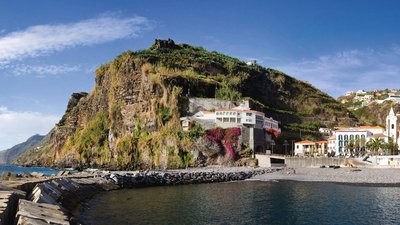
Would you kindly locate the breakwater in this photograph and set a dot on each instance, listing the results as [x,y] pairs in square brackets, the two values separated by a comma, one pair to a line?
[54,200]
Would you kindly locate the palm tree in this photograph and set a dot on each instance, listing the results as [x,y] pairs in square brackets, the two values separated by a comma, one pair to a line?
[375,144]
[392,147]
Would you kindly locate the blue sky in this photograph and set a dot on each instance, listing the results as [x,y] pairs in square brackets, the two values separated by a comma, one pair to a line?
[50,49]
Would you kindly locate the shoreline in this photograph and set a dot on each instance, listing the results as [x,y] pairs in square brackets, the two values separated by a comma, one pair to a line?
[384,177]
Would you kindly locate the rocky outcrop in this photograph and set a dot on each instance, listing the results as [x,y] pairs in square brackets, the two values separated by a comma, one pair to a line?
[130,120]
[165,44]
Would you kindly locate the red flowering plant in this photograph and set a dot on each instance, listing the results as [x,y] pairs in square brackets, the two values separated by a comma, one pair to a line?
[273,132]
[225,138]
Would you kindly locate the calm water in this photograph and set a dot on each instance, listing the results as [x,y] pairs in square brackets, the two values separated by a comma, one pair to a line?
[247,203]
[21,170]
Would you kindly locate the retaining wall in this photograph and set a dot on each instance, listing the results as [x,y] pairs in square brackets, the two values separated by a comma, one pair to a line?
[296,162]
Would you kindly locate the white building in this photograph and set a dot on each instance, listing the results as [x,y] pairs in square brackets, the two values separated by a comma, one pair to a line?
[303,148]
[348,135]
[332,144]
[364,98]
[361,92]
[325,131]
[238,116]
[270,123]
[392,126]
[373,129]
[205,115]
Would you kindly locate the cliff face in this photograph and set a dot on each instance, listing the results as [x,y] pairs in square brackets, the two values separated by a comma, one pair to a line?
[7,156]
[131,117]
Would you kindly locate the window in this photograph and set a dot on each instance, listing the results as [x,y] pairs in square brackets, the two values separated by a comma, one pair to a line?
[346,137]
[351,137]
[392,126]
[340,137]
[249,114]
[357,137]
[239,120]
[298,146]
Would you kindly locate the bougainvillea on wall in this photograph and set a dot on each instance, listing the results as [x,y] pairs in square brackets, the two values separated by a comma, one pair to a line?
[225,138]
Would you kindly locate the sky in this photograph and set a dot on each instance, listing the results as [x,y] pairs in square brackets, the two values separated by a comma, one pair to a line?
[50,49]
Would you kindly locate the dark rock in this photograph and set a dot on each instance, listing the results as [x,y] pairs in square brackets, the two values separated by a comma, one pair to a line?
[165,44]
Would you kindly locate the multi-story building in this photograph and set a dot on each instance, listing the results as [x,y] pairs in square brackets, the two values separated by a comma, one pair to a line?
[354,135]
[256,128]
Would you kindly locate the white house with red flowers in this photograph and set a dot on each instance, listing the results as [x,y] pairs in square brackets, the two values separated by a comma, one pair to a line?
[239,116]
[257,129]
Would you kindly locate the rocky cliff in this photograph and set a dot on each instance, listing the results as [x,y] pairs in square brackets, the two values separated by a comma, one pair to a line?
[131,117]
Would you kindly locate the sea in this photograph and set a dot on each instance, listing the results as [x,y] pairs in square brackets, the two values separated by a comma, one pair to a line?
[248,202]
[20,170]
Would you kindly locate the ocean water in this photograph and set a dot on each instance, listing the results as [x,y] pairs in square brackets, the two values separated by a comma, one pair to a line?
[21,170]
[285,202]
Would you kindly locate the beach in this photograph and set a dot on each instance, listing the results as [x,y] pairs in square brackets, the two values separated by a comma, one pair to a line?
[372,176]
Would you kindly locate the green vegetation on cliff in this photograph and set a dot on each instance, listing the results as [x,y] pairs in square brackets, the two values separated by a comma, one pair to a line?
[131,118]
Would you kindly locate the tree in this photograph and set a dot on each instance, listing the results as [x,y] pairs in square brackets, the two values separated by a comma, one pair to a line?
[391,147]
[357,145]
[374,145]
[351,146]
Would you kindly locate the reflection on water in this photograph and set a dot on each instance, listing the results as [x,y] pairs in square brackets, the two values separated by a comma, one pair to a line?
[247,203]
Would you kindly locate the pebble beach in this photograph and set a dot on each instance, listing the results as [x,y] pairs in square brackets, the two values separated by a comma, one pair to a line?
[370,176]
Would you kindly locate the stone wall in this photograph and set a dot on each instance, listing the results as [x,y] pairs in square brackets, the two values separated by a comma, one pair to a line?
[209,104]
[296,162]
[255,139]
[140,179]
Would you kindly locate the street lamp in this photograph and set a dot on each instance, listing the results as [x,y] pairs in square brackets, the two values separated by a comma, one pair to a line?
[285,143]
[272,146]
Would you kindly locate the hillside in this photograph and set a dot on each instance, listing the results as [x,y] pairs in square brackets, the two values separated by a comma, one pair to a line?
[131,117]
[7,156]
[372,107]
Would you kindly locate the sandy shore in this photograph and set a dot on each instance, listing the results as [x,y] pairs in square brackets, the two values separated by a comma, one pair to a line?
[342,175]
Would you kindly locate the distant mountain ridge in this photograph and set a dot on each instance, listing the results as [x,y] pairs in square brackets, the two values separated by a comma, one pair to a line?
[7,156]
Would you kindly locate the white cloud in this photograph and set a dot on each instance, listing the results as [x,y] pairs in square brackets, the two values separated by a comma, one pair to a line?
[45,39]
[348,70]
[40,70]
[16,127]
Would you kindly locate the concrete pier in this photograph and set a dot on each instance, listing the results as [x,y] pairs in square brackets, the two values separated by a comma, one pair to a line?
[40,213]
[8,206]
